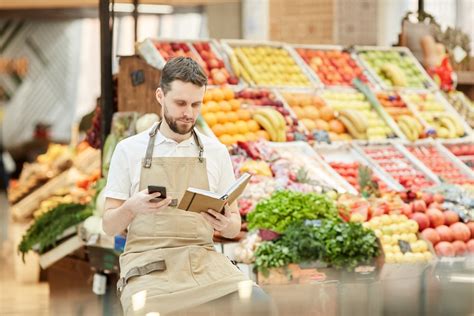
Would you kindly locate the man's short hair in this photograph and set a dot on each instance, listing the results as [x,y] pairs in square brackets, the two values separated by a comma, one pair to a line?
[184,69]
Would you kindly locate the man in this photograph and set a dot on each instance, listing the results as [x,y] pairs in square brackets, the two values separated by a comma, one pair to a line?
[169,258]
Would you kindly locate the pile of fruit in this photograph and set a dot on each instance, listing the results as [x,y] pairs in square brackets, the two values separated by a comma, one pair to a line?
[268,66]
[465,152]
[350,172]
[463,106]
[399,240]
[215,67]
[399,167]
[333,67]
[440,165]
[169,50]
[229,121]
[357,115]
[443,228]
[316,116]
[434,113]
[399,111]
[395,69]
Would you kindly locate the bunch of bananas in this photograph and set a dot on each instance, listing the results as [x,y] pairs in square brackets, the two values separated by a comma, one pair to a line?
[356,124]
[394,74]
[447,126]
[410,126]
[273,122]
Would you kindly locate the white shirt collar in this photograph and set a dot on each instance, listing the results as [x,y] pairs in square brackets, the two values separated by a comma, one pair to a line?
[160,138]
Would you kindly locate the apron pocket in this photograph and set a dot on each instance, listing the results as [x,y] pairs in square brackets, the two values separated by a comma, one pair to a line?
[176,224]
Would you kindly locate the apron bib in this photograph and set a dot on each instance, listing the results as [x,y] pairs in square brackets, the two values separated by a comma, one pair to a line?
[170,254]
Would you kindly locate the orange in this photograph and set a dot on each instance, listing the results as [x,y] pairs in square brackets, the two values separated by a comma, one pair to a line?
[240,138]
[242,127]
[211,119]
[309,124]
[293,100]
[306,100]
[253,126]
[204,108]
[208,96]
[225,106]
[299,112]
[228,93]
[326,113]
[212,106]
[251,136]
[218,95]
[232,117]
[221,117]
[218,130]
[336,126]
[226,139]
[230,128]
[235,104]
[262,134]
[244,115]
[311,112]
[322,125]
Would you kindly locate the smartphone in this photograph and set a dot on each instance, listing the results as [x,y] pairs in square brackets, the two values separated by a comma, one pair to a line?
[154,189]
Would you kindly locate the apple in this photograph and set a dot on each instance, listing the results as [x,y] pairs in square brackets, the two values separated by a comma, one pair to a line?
[470,246]
[422,220]
[460,231]
[471,228]
[445,249]
[431,235]
[436,217]
[419,206]
[445,234]
[460,247]
[450,217]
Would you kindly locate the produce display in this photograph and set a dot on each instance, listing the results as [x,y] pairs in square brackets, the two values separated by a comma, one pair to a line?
[465,152]
[444,229]
[315,115]
[406,120]
[436,115]
[463,106]
[399,239]
[266,65]
[398,166]
[395,68]
[333,67]
[440,164]
[357,115]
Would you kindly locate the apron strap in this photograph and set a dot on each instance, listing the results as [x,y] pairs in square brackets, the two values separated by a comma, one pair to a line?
[139,271]
[151,145]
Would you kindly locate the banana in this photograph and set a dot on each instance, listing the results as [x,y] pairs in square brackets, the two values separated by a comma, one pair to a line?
[351,128]
[273,116]
[246,76]
[267,125]
[448,124]
[457,124]
[359,122]
[407,129]
[234,63]
[281,135]
[395,74]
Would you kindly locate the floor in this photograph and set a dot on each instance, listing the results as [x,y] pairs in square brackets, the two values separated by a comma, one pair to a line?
[17,298]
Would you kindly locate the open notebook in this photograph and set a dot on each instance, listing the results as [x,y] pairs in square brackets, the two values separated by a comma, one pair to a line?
[196,200]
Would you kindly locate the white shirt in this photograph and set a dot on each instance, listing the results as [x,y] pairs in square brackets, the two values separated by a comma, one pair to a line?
[125,167]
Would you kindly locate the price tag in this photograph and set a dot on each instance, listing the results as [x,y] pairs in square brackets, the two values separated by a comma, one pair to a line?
[99,284]
[404,246]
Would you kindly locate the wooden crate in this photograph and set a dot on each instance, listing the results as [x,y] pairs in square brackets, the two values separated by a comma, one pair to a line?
[137,84]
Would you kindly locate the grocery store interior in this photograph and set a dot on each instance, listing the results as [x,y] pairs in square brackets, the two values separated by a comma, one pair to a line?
[354,118]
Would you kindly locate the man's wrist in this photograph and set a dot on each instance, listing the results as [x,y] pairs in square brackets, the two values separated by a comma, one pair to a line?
[127,211]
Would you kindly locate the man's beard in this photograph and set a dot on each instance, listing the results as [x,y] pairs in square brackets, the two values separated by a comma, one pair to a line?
[175,127]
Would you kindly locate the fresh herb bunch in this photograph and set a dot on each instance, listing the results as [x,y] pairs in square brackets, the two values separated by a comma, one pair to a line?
[286,207]
[45,230]
[272,255]
[339,244]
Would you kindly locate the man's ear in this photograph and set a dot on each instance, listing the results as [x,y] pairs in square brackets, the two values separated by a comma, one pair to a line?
[159,95]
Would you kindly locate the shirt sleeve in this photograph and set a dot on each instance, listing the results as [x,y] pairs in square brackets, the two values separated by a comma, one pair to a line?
[118,179]
[227,176]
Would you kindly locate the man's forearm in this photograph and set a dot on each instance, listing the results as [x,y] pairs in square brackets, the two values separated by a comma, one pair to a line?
[116,220]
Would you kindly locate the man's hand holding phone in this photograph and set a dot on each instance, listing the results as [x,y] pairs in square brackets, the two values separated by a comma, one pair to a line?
[144,202]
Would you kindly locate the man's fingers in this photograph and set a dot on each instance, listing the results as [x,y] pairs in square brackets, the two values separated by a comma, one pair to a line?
[216,214]
[227,210]
[165,202]
[210,219]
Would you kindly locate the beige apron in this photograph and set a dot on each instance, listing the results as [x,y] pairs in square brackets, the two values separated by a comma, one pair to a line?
[170,254]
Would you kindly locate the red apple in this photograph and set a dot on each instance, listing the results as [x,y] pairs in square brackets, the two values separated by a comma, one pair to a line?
[445,249]
[407,209]
[460,231]
[450,217]
[471,228]
[445,234]
[427,197]
[460,247]
[213,63]
[438,198]
[436,205]
[470,246]
[436,217]
[422,220]
[419,206]
[431,235]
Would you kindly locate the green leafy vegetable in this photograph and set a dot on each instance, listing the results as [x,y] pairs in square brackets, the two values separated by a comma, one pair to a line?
[272,255]
[46,229]
[286,207]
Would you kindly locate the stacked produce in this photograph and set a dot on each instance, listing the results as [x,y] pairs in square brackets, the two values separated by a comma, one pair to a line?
[359,176]
[395,68]
[267,66]
[463,106]
[435,114]
[443,227]
[399,240]
[214,65]
[312,112]
[48,165]
[440,164]
[357,115]
[465,152]
[399,167]
[399,111]
[333,67]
